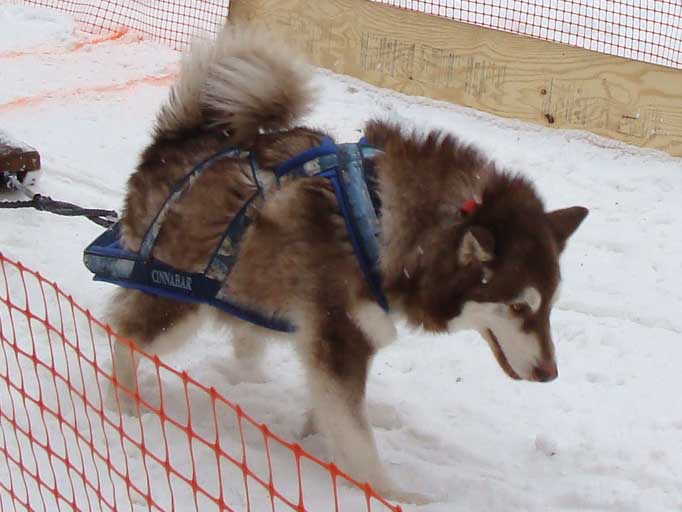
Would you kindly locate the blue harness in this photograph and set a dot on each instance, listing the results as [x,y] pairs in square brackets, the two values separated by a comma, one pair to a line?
[344,165]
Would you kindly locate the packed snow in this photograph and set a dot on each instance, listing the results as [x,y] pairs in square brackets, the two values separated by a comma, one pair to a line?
[605,436]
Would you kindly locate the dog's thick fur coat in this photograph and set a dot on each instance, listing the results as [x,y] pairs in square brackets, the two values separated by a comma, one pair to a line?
[495,270]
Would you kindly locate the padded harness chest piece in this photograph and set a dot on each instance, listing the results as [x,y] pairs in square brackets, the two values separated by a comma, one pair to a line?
[354,185]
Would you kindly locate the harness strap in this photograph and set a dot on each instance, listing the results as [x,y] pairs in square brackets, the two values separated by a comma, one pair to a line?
[178,190]
[360,216]
[356,195]
[220,264]
[326,148]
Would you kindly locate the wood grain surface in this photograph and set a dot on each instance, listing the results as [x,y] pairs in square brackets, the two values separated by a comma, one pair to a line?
[505,74]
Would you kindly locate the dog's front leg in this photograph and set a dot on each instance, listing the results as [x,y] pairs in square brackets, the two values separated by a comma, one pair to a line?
[156,325]
[124,368]
[337,365]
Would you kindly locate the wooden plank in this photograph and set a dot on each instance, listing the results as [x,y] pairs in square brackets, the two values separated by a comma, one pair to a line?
[505,74]
[16,156]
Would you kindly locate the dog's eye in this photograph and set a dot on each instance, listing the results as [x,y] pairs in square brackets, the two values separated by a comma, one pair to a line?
[520,308]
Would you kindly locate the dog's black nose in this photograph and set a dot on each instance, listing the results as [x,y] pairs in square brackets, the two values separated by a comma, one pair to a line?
[545,371]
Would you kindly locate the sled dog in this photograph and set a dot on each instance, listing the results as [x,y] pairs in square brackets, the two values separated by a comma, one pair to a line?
[463,244]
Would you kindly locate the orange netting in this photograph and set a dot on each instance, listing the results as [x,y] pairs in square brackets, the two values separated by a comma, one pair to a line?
[65,447]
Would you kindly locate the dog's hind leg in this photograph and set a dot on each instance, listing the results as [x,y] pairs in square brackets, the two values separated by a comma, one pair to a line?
[337,356]
[142,318]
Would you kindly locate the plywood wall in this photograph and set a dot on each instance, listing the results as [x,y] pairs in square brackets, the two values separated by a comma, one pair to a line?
[505,74]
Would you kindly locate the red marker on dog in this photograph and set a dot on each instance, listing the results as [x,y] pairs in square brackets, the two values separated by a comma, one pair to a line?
[468,207]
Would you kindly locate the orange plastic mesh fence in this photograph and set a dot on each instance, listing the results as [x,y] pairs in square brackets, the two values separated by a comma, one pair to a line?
[65,445]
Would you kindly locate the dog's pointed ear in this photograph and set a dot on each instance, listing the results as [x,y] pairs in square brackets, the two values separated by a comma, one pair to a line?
[564,222]
[477,244]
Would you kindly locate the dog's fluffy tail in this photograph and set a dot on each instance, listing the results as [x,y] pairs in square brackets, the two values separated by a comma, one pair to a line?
[243,81]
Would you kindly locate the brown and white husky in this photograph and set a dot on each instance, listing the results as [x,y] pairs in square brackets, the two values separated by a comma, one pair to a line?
[494,269]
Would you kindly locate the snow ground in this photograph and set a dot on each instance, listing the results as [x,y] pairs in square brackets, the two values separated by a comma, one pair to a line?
[606,436]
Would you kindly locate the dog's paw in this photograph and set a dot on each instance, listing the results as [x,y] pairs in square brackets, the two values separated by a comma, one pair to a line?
[388,489]
[406,497]
[117,400]
[309,427]
[384,416]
